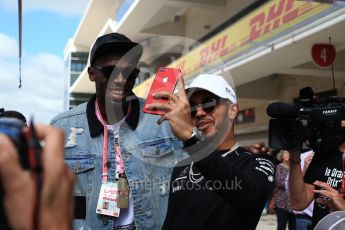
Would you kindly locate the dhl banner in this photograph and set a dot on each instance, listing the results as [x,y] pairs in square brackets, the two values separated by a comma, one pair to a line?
[270,20]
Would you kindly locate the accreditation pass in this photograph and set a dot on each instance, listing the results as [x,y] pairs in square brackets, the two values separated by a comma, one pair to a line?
[107,200]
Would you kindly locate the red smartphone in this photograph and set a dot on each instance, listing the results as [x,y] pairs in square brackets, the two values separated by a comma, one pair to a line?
[165,80]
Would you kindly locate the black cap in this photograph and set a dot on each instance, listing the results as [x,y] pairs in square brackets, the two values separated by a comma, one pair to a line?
[117,41]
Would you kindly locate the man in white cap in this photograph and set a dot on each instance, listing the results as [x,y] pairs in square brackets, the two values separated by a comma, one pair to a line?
[221,185]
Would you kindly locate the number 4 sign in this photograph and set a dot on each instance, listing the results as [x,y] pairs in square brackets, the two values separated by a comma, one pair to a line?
[323,54]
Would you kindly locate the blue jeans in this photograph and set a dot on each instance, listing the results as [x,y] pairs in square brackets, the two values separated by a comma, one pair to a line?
[284,217]
[303,223]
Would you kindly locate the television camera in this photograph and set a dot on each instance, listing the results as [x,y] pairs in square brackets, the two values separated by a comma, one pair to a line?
[319,124]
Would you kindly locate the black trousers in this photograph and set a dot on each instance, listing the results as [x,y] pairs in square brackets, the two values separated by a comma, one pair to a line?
[284,217]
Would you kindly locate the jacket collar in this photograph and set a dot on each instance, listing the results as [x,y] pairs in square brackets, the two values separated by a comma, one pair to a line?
[96,127]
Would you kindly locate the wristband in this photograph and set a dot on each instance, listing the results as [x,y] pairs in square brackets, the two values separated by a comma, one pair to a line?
[197,136]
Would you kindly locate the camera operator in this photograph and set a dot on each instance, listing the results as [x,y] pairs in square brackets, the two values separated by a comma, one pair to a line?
[323,181]
[56,200]
[319,124]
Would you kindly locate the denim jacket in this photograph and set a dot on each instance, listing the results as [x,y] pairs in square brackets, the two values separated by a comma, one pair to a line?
[149,152]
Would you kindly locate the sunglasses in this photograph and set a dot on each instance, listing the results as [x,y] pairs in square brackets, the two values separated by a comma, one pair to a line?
[208,105]
[126,72]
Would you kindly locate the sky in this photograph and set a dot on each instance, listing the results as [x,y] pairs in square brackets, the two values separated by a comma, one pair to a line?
[47,26]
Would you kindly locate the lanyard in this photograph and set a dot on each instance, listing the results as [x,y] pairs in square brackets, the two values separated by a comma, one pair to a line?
[119,159]
[105,145]
[343,179]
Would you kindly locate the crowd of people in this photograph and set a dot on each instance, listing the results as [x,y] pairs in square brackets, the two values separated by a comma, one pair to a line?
[281,203]
[108,165]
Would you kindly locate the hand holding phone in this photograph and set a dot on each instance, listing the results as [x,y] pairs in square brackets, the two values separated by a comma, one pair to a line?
[165,80]
[177,112]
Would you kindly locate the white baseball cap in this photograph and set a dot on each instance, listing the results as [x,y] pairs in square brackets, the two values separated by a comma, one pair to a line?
[215,84]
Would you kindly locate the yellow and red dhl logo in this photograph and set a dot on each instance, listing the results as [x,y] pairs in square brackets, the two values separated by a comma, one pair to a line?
[263,23]
[272,17]
[280,13]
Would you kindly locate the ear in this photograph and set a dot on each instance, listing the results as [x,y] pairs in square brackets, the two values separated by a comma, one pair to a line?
[233,111]
[91,73]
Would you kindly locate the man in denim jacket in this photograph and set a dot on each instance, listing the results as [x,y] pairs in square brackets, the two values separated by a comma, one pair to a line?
[109,140]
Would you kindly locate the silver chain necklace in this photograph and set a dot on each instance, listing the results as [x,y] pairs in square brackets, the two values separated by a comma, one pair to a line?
[192,174]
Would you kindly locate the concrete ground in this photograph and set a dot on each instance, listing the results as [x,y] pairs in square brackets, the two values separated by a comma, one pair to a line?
[267,222]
